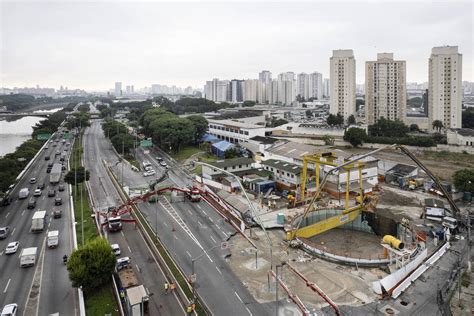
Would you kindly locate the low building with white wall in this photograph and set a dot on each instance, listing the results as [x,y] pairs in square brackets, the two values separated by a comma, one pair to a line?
[234,131]
[461,136]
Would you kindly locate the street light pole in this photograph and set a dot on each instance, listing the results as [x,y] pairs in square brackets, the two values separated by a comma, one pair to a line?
[278,284]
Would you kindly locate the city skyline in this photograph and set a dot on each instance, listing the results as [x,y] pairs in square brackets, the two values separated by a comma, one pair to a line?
[288,37]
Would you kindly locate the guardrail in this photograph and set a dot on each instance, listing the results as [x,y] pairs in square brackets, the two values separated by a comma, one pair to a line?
[173,271]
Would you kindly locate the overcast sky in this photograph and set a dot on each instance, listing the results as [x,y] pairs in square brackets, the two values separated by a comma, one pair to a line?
[91,45]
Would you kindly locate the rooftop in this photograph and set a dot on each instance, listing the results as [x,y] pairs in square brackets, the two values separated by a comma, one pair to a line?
[264,140]
[401,169]
[282,165]
[295,150]
[235,124]
[464,131]
[231,162]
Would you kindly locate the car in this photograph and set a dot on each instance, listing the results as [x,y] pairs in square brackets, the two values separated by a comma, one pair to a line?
[123,263]
[37,192]
[10,310]
[31,204]
[159,159]
[146,163]
[46,147]
[57,213]
[47,157]
[63,168]
[40,186]
[57,153]
[54,145]
[116,249]
[61,188]
[163,164]
[51,193]
[58,201]
[12,247]
[50,165]
[48,170]
[4,232]
[33,180]
[5,201]
[148,168]
[149,173]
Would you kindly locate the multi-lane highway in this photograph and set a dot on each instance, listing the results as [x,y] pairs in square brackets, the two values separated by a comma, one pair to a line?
[55,292]
[98,149]
[204,229]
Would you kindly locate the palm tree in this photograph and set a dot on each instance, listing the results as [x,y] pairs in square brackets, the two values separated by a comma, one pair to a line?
[437,125]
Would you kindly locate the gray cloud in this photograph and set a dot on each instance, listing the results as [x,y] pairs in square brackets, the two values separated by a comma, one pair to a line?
[90,45]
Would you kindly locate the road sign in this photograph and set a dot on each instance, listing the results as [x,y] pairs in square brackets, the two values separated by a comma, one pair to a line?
[44,136]
[146,143]
[225,245]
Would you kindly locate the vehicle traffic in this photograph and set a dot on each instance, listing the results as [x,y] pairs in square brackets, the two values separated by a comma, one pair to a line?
[28,257]
[12,247]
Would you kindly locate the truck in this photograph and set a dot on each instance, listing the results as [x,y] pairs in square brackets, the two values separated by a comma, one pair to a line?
[38,221]
[114,223]
[23,194]
[28,257]
[53,238]
[193,195]
[135,293]
[55,174]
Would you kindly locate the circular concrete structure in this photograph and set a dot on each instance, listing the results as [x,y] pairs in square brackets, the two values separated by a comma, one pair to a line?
[354,243]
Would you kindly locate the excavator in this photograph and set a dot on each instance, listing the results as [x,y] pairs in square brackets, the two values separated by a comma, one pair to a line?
[366,203]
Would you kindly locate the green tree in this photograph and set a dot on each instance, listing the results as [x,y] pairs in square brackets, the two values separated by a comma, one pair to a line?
[351,120]
[78,119]
[90,266]
[200,126]
[388,128]
[333,120]
[123,141]
[248,103]
[468,118]
[232,153]
[437,125]
[414,128]
[355,136]
[80,174]
[464,180]
[328,140]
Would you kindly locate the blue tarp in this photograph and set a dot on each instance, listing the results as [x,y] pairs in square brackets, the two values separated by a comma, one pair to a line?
[221,147]
[209,138]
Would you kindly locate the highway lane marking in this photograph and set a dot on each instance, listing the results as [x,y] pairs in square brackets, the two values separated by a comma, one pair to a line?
[121,232]
[129,248]
[238,297]
[138,268]
[218,270]
[209,257]
[13,231]
[213,239]
[23,213]
[1,253]
[210,219]
[7,214]
[6,287]
[248,310]
[190,213]
[188,254]
[165,224]
[199,207]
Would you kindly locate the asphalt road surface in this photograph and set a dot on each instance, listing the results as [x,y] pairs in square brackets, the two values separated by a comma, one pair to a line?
[56,294]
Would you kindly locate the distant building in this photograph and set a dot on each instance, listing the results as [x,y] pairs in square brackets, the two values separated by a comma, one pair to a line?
[343,83]
[230,165]
[326,88]
[445,86]
[233,131]
[385,81]
[236,88]
[286,175]
[460,136]
[118,88]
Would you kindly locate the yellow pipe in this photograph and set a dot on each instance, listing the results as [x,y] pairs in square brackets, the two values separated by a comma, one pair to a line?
[348,180]
[393,242]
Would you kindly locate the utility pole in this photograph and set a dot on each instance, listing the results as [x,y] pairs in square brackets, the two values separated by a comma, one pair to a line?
[278,268]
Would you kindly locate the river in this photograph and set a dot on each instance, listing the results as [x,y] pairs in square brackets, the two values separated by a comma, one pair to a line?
[14,133]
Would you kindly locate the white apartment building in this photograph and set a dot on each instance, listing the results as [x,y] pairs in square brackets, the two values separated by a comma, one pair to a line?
[302,86]
[265,76]
[342,82]
[234,131]
[251,89]
[316,85]
[236,87]
[118,88]
[445,86]
[222,91]
[326,88]
[385,86]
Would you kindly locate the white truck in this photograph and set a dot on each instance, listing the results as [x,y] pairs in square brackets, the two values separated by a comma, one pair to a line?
[23,194]
[28,257]
[53,239]
[55,174]
[38,221]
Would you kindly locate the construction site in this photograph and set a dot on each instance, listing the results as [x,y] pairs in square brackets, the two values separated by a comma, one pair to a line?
[350,250]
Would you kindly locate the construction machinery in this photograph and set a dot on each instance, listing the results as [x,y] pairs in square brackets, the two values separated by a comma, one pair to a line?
[349,213]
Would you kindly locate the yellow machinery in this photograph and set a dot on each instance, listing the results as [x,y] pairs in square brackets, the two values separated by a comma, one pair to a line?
[349,214]
[395,243]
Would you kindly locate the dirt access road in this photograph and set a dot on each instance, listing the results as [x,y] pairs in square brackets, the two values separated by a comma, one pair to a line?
[443,164]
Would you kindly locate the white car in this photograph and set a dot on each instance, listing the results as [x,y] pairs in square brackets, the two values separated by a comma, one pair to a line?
[12,247]
[115,249]
[146,163]
[149,173]
[148,168]
[37,192]
[10,310]
[163,164]
[33,180]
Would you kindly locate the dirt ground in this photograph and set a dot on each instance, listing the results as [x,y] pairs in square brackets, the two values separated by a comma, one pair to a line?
[442,164]
[344,285]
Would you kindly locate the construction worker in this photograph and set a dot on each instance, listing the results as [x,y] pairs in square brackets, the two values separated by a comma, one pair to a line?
[172,287]
[167,286]
[122,294]
[189,309]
